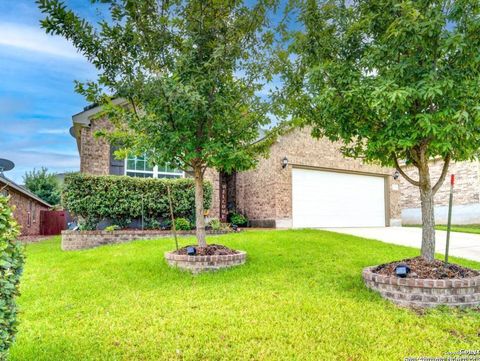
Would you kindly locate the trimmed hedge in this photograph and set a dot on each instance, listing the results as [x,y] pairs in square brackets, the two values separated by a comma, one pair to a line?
[11,267]
[118,199]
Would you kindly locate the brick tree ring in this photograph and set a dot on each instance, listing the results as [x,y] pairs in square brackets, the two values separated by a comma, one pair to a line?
[197,264]
[422,293]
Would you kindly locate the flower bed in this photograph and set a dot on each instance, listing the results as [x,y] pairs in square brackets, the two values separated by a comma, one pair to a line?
[76,240]
[416,292]
[197,264]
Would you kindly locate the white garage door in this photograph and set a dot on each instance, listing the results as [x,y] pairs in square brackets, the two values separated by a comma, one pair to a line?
[332,199]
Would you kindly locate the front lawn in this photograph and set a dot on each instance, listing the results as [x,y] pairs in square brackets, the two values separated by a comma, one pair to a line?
[299,297]
[465,228]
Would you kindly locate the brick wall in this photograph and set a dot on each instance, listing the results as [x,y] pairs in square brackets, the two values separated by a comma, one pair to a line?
[26,211]
[467,184]
[94,152]
[411,292]
[266,192]
[76,240]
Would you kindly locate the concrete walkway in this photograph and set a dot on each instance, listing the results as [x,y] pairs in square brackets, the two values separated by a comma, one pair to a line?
[463,245]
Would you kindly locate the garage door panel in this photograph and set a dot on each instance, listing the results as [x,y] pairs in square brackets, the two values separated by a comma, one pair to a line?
[333,199]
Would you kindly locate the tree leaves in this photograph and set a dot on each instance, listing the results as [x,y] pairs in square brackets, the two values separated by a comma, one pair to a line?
[11,267]
[387,76]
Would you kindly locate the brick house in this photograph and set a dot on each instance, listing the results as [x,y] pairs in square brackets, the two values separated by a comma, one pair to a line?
[303,183]
[26,206]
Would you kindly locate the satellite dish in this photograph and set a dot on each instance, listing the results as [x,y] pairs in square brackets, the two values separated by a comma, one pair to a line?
[6,165]
[72,132]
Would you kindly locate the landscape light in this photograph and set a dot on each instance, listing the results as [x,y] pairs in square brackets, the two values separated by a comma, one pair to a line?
[402,270]
[191,251]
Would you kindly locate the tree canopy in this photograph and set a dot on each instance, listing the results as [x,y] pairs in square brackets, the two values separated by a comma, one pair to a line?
[43,184]
[189,71]
[395,81]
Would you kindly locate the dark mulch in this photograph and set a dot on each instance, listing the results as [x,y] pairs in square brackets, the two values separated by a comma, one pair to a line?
[420,268]
[210,250]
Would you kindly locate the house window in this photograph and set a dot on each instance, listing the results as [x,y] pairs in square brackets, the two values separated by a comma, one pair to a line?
[4,192]
[139,167]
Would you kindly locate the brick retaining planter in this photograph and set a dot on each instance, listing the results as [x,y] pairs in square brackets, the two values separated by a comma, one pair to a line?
[76,240]
[411,292]
[196,264]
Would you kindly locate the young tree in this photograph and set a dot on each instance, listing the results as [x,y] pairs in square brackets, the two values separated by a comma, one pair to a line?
[190,71]
[43,184]
[395,81]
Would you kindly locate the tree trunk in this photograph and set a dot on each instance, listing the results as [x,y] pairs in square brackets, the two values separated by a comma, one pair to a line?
[199,211]
[428,216]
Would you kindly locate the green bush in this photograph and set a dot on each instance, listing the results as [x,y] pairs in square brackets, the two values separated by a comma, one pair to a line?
[182,224]
[238,219]
[11,267]
[120,199]
[112,228]
[215,224]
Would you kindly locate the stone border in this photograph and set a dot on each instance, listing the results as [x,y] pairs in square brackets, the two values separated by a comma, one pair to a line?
[197,264]
[413,292]
[76,240]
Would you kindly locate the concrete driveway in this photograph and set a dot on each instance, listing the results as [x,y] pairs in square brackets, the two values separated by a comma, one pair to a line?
[463,245]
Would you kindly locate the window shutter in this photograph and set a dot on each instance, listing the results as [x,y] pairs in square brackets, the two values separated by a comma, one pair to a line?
[117,166]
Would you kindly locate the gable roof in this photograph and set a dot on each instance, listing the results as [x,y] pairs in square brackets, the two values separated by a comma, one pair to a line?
[8,182]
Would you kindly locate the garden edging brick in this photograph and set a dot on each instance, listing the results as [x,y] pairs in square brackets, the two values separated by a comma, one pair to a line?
[77,240]
[411,292]
[196,264]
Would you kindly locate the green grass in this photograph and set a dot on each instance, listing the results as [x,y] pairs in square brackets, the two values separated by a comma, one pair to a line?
[465,228]
[299,297]
[468,228]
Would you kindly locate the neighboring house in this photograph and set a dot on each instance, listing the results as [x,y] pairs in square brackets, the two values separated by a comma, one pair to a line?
[303,183]
[466,209]
[26,206]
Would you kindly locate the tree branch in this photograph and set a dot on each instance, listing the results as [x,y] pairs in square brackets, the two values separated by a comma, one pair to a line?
[440,181]
[400,170]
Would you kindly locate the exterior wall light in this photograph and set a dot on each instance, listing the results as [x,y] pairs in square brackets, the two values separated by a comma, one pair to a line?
[284,162]
[396,175]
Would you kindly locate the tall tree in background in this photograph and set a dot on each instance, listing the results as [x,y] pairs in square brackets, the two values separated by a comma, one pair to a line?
[395,81]
[43,184]
[190,71]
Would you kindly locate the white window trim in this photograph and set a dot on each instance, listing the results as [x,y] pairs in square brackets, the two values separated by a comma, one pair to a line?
[155,171]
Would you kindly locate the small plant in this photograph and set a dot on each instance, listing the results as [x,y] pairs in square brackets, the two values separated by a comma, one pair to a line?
[215,224]
[152,223]
[112,228]
[238,219]
[182,224]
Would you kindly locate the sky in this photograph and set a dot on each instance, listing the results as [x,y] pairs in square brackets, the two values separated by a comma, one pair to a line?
[37,97]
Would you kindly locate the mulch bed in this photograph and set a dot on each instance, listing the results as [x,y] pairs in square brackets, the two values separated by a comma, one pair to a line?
[420,268]
[210,250]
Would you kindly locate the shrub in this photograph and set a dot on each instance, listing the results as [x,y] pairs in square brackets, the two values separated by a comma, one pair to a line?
[238,219]
[182,224]
[121,199]
[11,266]
[215,224]
[112,228]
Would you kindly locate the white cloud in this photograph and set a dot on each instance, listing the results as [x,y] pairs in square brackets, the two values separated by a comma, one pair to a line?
[36,40]
[53,131]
